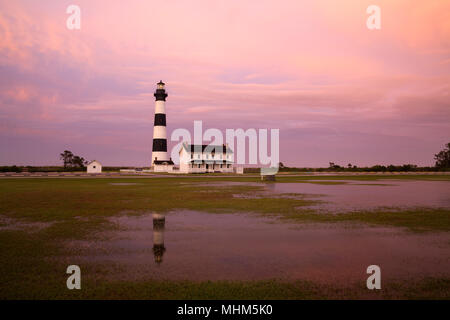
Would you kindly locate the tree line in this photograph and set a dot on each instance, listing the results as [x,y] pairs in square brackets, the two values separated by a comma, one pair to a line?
[73,162]
[442,163]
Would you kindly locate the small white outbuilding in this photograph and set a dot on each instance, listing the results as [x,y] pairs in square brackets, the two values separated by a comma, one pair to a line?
[94,167]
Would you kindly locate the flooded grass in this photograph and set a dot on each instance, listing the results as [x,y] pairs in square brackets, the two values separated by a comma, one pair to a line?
[48,224]
[367,177]
[415,220]
[200,246]
[326,263]
[427,288]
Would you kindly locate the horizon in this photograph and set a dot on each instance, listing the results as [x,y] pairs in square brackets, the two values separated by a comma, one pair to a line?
[337,91]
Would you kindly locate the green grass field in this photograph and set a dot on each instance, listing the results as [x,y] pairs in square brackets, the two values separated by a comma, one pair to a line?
[61,209]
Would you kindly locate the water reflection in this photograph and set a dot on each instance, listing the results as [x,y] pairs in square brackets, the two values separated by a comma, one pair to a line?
[244,246]
[250,247]
[159,221]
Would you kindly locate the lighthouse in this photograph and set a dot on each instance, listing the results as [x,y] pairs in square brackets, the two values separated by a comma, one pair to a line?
[160,161]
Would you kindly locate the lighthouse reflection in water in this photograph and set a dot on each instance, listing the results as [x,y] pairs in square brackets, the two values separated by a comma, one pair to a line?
[159,221]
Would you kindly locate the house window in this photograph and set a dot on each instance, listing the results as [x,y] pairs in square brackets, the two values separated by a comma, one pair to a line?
[228,165]
[199,166]
[93,167]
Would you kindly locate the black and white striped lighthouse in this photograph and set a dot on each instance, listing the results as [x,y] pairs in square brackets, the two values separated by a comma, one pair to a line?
[159,150]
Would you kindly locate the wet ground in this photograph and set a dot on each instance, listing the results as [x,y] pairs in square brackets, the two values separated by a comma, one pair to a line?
[201,246]
[351,195]
[372,195]
[204,246]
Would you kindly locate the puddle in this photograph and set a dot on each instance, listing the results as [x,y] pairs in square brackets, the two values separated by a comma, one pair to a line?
[366,196]
[201,246]
[351,195]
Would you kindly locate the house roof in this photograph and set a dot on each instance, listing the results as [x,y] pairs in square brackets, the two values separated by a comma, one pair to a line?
[94,161]
[211,148]
[194,161]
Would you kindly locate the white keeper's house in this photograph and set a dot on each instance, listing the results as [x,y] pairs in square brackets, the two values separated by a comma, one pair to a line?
[205,158]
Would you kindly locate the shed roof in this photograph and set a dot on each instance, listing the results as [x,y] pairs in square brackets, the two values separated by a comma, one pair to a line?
[91,162]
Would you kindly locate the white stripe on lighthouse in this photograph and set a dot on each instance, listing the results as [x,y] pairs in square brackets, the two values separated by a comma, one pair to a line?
[159,132]
[159,155]
[160,106]
[158,236]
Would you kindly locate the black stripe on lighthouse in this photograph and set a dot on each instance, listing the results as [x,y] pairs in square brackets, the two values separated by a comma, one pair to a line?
[160,145]
[160,94]
[160,119]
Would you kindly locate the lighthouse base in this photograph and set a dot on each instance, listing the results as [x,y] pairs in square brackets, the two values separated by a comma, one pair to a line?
[163,166]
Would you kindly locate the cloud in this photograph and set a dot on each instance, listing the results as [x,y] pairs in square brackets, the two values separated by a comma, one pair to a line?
[311,69]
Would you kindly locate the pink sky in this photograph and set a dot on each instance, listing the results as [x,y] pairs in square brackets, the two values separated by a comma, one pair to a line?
[336,90]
